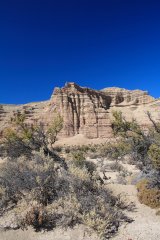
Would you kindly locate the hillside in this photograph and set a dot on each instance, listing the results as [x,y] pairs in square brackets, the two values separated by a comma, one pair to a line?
[86,111]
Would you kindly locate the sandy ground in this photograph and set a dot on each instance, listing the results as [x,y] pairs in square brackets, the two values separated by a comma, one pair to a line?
[79,139]
[78,233]
[1,161]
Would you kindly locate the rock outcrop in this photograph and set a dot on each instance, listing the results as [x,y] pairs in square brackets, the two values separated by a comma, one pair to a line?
[126,97]
[86,111]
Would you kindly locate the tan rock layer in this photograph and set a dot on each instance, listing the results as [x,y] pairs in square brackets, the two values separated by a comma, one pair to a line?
[86,111]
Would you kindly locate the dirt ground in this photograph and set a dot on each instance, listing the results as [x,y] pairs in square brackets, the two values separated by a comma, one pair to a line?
[78,140]
[78,233]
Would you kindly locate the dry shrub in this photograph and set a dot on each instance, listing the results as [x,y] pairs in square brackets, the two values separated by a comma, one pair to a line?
[158,213]
[29,178]
[116,167]
[145,152]
[22,138]
[36,217]
[58,149]
[63,197]
[80,173]
[154,154]
[148,196]
[78,158]
[65,212]
[117,150]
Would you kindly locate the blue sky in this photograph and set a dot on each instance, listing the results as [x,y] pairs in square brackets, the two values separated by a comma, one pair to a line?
[95,43]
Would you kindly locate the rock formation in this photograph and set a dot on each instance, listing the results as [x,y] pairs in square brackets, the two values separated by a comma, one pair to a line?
[84,110]
[87,111]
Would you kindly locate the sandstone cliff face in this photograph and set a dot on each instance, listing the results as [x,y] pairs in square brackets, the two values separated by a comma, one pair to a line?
[86,111]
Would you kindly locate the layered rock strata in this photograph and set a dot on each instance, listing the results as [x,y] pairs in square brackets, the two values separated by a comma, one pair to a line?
[86,111]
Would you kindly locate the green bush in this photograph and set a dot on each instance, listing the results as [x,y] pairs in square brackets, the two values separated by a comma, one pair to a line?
[144,152]
[154,154]
[22,138]
[78,159]
[118,150]
[122,127]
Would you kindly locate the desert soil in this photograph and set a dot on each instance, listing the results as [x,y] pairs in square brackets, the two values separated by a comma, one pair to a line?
[79,140]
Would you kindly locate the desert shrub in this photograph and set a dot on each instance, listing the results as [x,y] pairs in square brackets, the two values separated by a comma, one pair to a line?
[93,147]
[100,224]
[140,141]
[139,151]
[148,196]
[122,127]
[80,173]
[117,167]
[90,166]
[95,154]
[63,197]
[86,150]
[78,159]
[65,212]
[30,179]
[97,214]
[119,125]
[144,152]
[37,217]
[156,126]
[22,138]
[116,150]
[67,149]
[154,154]
[58,149]
[96,206]
[144,145]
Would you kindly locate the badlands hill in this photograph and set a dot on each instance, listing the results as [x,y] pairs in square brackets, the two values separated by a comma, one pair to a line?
[86,111]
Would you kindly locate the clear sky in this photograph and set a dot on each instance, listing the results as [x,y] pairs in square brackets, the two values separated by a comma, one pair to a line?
[95,43]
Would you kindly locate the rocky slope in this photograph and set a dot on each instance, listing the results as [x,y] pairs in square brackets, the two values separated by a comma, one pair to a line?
[86,111]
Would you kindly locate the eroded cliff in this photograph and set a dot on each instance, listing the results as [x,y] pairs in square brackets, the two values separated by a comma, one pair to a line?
[86,111]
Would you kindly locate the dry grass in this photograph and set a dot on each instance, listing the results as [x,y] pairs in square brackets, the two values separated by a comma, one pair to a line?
[147,195]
